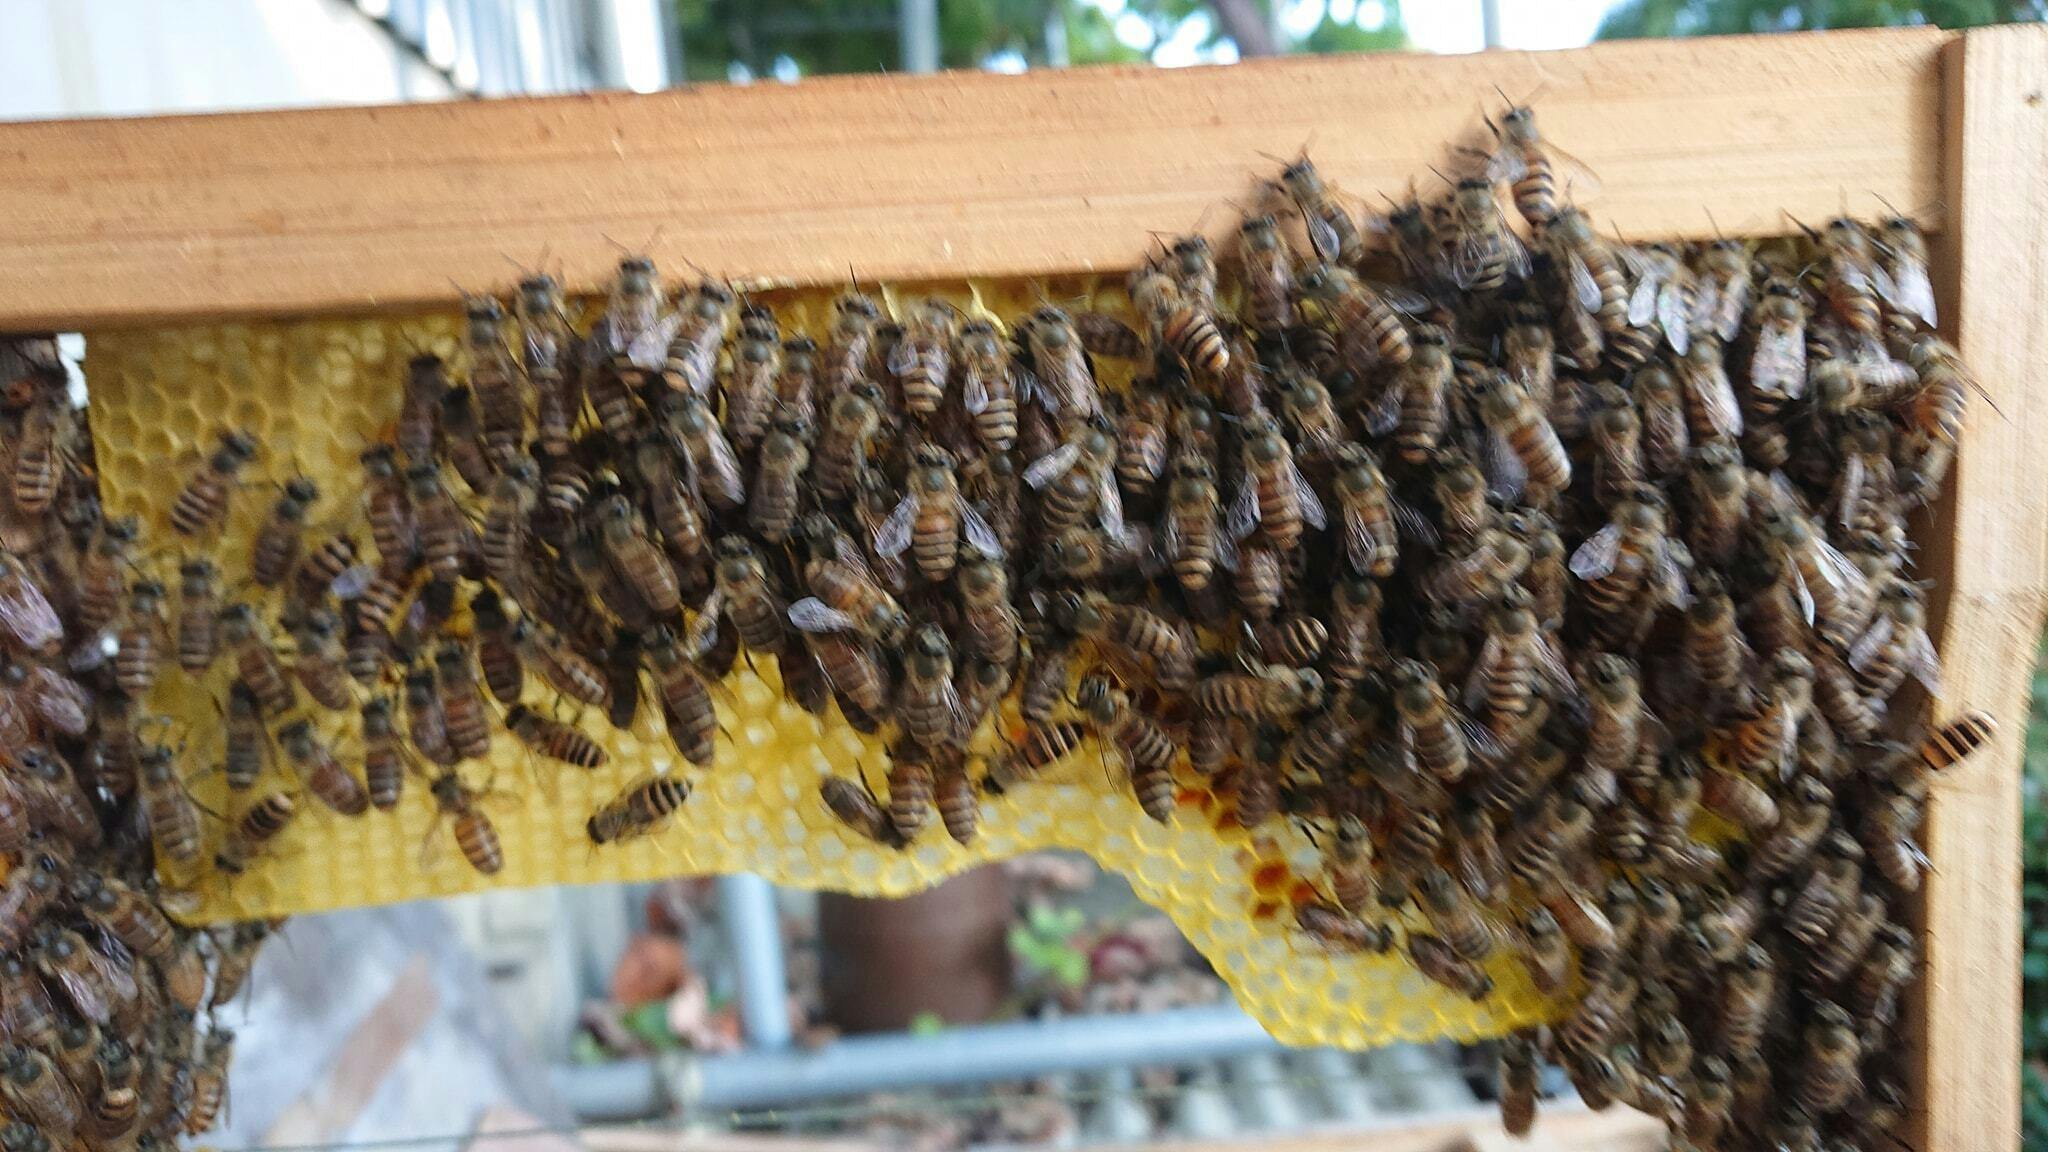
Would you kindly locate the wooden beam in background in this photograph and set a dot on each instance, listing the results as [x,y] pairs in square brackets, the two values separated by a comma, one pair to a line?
[124,222]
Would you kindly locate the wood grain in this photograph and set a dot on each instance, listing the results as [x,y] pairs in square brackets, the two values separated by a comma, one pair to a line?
[123,222]
[1994,563]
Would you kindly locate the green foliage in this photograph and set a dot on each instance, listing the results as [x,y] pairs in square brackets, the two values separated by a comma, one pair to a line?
[833,36]
[2034,925]
[1637,19]
[1045,942]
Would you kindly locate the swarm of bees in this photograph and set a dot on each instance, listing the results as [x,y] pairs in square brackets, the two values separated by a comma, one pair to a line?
[1555,589]
[109,1035]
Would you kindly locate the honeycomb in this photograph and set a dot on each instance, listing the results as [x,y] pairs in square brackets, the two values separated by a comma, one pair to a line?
[314,393]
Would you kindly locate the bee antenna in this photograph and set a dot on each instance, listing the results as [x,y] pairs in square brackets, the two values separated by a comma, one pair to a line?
[1716,224]
[1441,176]
[1503,96]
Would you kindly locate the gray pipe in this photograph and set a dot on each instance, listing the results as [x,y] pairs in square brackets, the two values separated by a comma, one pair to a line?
[746,902]
[967,1055]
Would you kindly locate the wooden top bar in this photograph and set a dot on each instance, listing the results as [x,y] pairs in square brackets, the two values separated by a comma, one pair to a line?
[126,222]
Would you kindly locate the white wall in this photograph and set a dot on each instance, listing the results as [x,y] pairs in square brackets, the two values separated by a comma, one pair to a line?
[63,58]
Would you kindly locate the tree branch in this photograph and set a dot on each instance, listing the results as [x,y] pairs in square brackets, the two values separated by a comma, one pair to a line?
[1245,22]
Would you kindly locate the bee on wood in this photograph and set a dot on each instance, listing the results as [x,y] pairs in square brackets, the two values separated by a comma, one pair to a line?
[1953,742]
[1332,232]
[1594,275]
[639,809]
[850,345]
[1266,268]
[202,505]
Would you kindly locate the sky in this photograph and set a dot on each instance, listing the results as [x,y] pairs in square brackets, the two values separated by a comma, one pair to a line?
[1433,25]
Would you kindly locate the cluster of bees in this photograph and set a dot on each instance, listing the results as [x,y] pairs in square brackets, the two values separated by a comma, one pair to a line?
[102,993]
[1556,589]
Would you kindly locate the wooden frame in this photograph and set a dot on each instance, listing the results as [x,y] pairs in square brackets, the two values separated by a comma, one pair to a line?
[156,221]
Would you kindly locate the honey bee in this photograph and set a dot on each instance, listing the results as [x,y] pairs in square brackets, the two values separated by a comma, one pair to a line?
[989,625]
[202,505]
[36,1092]
[1079,483]
[1060,379]
[852,667]
[1436,959]
[912,791]
[1592,268]
[922,360]
[321,664]
[1831,590]
[1516,662]
[959,808]
[1896,644]
[1266,267]
[103,575]
[137,660]
[1517,1076]
[1452,913]
[856,806]
[1777,360]
[554,739]
[463,716]
[852,422]
[639,809]
[854,320]
[475,836]
[932,519]
[1953,742]
[1711,408]
[750,393]
[1365,314]
[745,596]
[1179,323]
[444,535]
[928,706]
[1545,954]
[703,317]
[1828,1076]
[1130,634]
[710,466]
[986,391]
[1275,497]
[1342,931]
[1847,266]
[462,439]
[685,698]
[772,507]
[1886,968]
[1429,730]
[1332,232]
[1422,389]
[1900,275]
[1147,750]
[1515,418]
[636,558]
[1723,282]
[1630,559]
[1044,743]
[28,891]
[323,773]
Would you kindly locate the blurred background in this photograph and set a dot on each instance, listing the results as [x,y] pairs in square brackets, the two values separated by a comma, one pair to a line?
[1033,1004]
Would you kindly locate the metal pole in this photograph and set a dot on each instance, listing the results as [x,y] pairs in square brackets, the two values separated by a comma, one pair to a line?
[967,1055]
[747,904]
[917,26]
[1489,19]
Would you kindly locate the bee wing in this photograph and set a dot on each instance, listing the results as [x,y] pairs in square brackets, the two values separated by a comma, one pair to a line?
[1880,371]
[1311,504]
[702,633]
[1642,302]
[902,358]
[1734,304]
[1359,544]
[1243,515]
[1851,274]
[1800,594]
[1779,361]
[1506,476]
[1851,490]
[1596,557]
[1469,258]
[1585,289]
[1923,661]
[1412,522]
[1029,389]
[650,348]
[1838,570]
[894,534]
[1911,292]
[1385,413]
[1516,253]
[1556,674]
[1322,235]
[1505,166]
[1406,301]
[353,581]
[974,393]
[1109,506]
[983,537]
[1226,550]
[1717,401]
[811,614]
[26,613]
[1875,639]
[725,467]
[1482,667]
[80,990]
[1674,317]
[1670,575]
[1481,741]
[1052,465]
